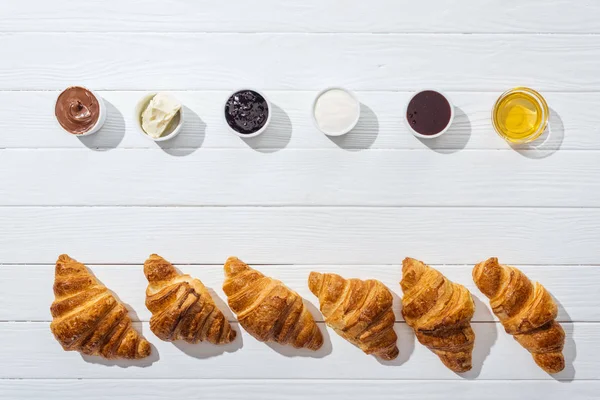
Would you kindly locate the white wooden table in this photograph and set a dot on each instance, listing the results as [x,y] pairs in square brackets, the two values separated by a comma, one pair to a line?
[293,200]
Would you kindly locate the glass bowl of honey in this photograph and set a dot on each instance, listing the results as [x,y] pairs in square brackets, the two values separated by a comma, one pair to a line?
[520,115]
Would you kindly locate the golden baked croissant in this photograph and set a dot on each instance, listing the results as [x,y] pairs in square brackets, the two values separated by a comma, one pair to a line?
[359,311]
[268,309]
[526,310]
[182,308]
[440,312]
[88,318]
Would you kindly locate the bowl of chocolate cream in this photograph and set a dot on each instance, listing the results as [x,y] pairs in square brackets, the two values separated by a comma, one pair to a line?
[79,111]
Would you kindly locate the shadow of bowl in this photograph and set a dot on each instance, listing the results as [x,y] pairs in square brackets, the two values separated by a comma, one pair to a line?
[455,138]
[110,135]
[364,133]
[189,139]
[548,143]
[277,135]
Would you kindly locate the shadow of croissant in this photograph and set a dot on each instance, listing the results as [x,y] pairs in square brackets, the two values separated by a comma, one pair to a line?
[205,350]
[570,351]
[485,337]
[406,337]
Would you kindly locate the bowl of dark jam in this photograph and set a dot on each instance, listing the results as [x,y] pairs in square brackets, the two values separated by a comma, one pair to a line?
[247,113]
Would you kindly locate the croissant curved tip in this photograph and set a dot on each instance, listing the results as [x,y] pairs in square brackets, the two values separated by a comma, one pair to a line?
[156,268]
[389,355]
[144,349]
[552,363]
[64,258]
[234,266]
[315,281]
[409,262]
[487,276]
[317,340]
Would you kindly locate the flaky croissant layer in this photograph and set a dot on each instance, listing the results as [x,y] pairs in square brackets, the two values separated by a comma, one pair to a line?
[359,311]
[88,318]
[268,309]
[525,309]
[181,306]
[440,312]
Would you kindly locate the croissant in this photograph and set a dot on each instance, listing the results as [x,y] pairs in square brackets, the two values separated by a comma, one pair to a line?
[526,310]
[88,318]
[268,309]
[359,311]
[439,311]
[181,306]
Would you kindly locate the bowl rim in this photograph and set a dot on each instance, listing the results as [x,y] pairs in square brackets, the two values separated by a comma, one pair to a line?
[440,133]
[314,105]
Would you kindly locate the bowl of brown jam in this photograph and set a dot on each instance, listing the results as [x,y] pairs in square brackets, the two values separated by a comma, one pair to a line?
[429,114]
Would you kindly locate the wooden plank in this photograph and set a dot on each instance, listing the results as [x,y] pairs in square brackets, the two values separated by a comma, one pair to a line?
[380,127]
[574,287]
[296,235]
[34,353]
[359,61]
[382,16]
[126,389]
[299,178]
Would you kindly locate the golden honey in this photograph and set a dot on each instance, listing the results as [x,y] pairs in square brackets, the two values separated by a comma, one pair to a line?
[520,115]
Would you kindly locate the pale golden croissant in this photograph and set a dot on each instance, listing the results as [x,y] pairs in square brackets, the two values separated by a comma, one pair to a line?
[440,313]
[181,306]
[526,311]
[359,311]
[268,309]
[88,318]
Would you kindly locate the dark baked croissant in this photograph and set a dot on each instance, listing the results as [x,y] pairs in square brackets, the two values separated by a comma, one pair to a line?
[359,311]
[88,318]
[268,309]
[526,310]
[440,313]
[181,306]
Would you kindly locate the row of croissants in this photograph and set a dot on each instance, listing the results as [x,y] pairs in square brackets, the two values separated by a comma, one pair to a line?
[88,318]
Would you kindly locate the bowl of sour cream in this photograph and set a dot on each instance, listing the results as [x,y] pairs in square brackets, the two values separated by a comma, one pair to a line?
[335,111]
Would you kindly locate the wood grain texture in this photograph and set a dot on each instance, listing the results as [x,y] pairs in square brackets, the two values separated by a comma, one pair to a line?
[34,353]
[293,200]
[301,235]
[299,178]
[574,287]
[312,61]
[380,127]
[380,16]
[257,389]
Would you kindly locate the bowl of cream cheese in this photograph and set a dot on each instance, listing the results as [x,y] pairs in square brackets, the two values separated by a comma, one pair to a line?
[159,116]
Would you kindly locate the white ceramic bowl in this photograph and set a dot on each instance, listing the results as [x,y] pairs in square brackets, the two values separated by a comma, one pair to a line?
[258,132]
[314,105]
[419,135]
[101,116]
[141,106]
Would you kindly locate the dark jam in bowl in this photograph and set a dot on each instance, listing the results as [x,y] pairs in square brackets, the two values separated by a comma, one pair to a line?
[246,112]
[428,112]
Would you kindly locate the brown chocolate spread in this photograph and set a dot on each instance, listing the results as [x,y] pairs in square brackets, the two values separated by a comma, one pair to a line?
[77,110]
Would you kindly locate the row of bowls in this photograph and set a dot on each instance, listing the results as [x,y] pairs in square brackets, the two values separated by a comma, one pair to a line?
[176,129]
